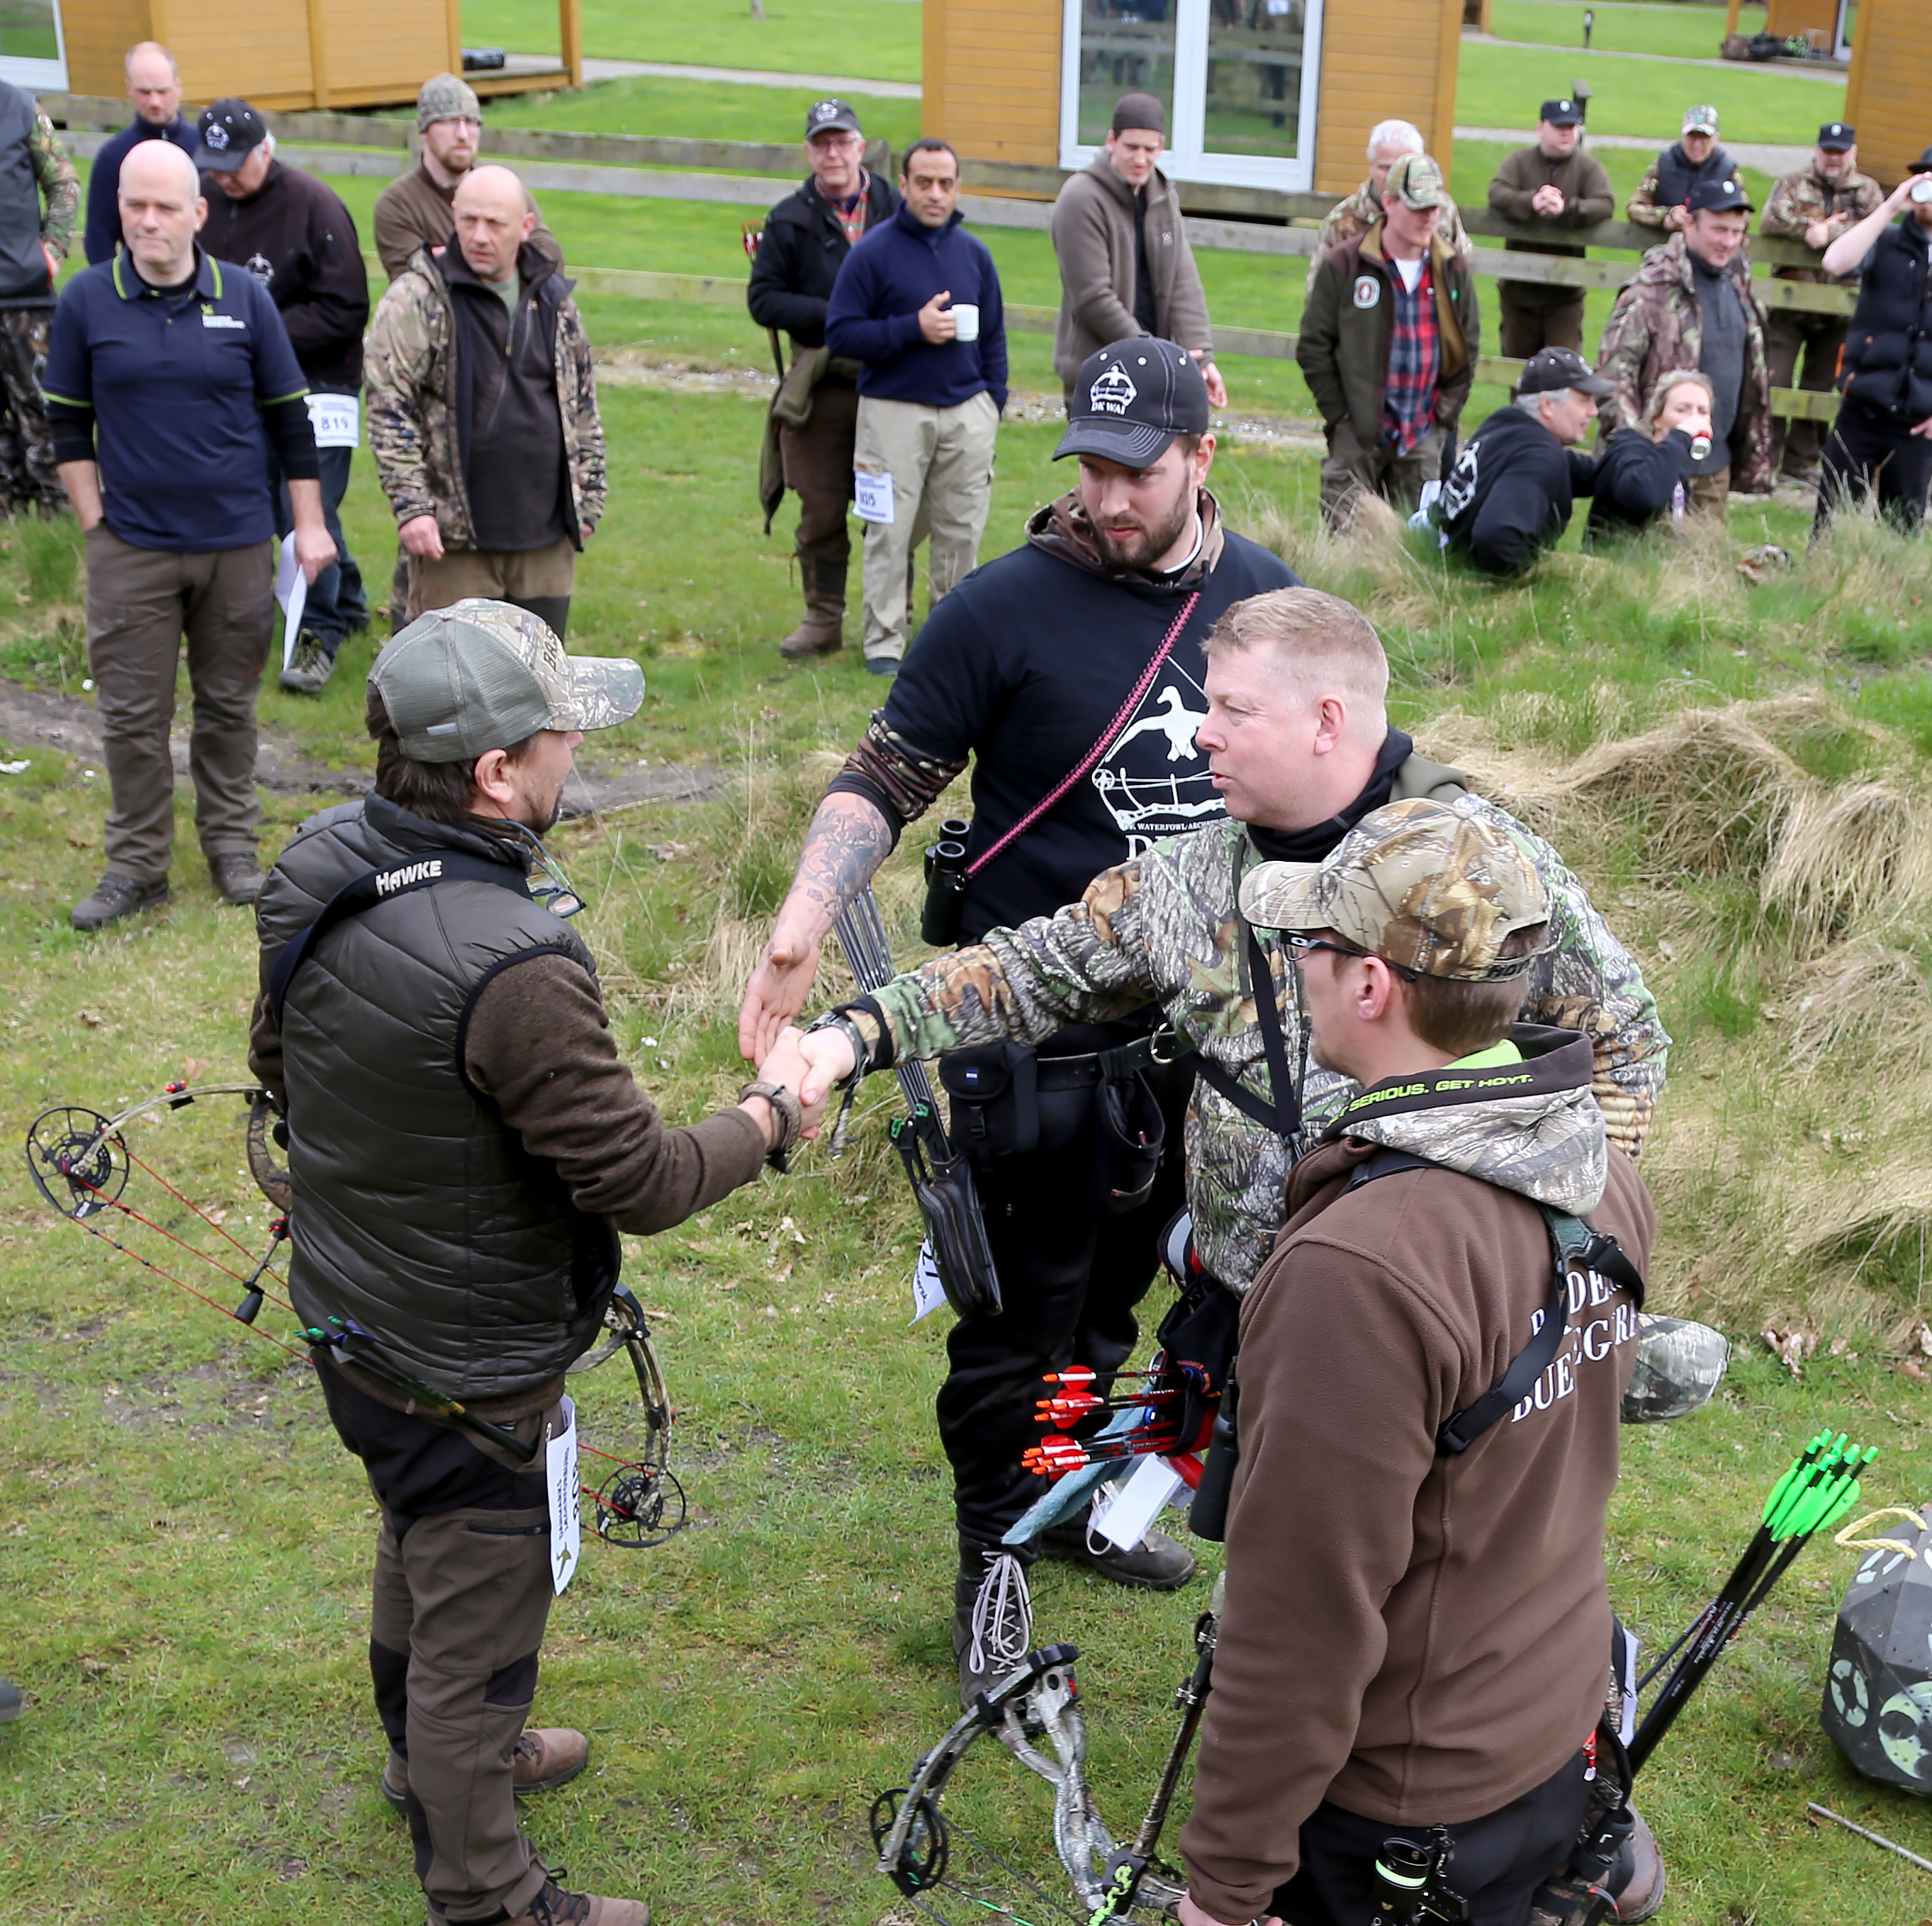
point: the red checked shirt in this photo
(1415, 360)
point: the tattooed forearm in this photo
(846, 842)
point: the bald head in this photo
(493, 219)
(159, 167)
(161, 211)
(154, 82)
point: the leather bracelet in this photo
(862, 1050)
(789, 1112)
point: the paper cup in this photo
(967, 316)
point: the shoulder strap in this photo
(1575, 1246)
(1100, 747)
(379, 886)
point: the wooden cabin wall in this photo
(1385, 60)
(992, 80)
(1891, 84)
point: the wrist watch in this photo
(790, 1114)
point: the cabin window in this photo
(1238, 77)
(32, 53)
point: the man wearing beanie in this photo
(1125, 267)
(415, 212)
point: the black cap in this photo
(1923, 165)
(231, 131)
(1140, 110)
(1549, 370)
(1131, 399)
(1562, 113)
(1834, 136)
(831, 116)
(1718, 197)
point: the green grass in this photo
(879, 39)
(1687, 32)
(703, 110)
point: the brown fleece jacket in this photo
(1414, 1638)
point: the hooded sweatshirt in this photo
(1511, 492)
(1418, 1638)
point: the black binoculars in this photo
(945, 884)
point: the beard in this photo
(1151, 540)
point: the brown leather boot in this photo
(553, 1906)
(546, 1757)
(824, 628)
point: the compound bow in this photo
(81, 1164)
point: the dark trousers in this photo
(1790, 333)
(1499, 1862)
(1070, 1277)
(28, 471)
(336, 602)
(140, 602)
(817, 459)
(1869, 453)
(462, 1593)
(1528, 326)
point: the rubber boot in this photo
(824, 628)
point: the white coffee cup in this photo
(967, 316)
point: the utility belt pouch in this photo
(1130, 1133)
(942, 1187)
(995, 1105)
(945, 885)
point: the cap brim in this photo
(1598, 385)
(230, 160)
(840, 126)
(1132, 444)
(605, 690)
(1281, 895)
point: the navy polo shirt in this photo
(177, 383)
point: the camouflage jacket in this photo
(1166, 928)
(410, 370)
(1359, 212)
(60, 185)
(1801, 198)
(1654, 330)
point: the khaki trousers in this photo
(140, 603)
(1797, 445)
(1707, 497)
(540, 579)
(1349, 469)
(1527, 328)
(941, 463)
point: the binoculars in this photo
(945, 884)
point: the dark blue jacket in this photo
(104, 182)
(1888, 360)
(874, 315)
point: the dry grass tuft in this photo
(1858, 997)
(1858, 854)
(1369, 563)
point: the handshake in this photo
(810, 1066)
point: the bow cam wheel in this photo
(75, 1164)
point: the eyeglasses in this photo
(556, 892)
(1306, 946)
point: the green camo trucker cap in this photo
(485, 675)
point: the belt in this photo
(1161, 1047)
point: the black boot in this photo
(992, 1617)
(1156, 1564)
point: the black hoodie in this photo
(1636, 479)
(1511, 492)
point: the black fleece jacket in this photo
(1636, 478)
(1511, 492)
(296, 237)
(798, 259)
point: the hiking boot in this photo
(115, 896)
(237, 875)
(1636, 1879)
(10, 1700)
(546, 1757)
(1679, 1366)
(824, 628)
(882, 665)
(1156, 1564)
(553, 1906)
(992, 1617)
(310, 668)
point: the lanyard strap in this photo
(1099, 748)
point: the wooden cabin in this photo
(1888, 96)
(1277, 93)
(285, 55)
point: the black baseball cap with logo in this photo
(831, 116)
(1131, 399)
(231, 131)
(1562, 113)
(1835, 137)
(1718, 197)
(1550, 370)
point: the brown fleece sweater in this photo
(1416, 1639)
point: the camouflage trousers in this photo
(27, 471)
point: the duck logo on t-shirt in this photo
(1153, 779)
(1113, 393)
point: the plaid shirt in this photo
(1415, 360)
(852, 212)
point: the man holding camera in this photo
(1070, 672)
(1881, 444)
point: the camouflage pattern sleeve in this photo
(588, 474)
(1591, 983)
(1620, 357)
(396, 358)
(1642, 207)
(1088, 963)
(1342, 222)
(889, 770)
(1784, 215)
(58, 182)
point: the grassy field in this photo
(184, 1594)
(877, 39)
(1687, 32)
(711, 110)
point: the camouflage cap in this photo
(445, 97)
(1426, 886)
(485, 675)
(1416, 181)
(1700, 120)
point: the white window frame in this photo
(40, 75)
(1186, 158)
